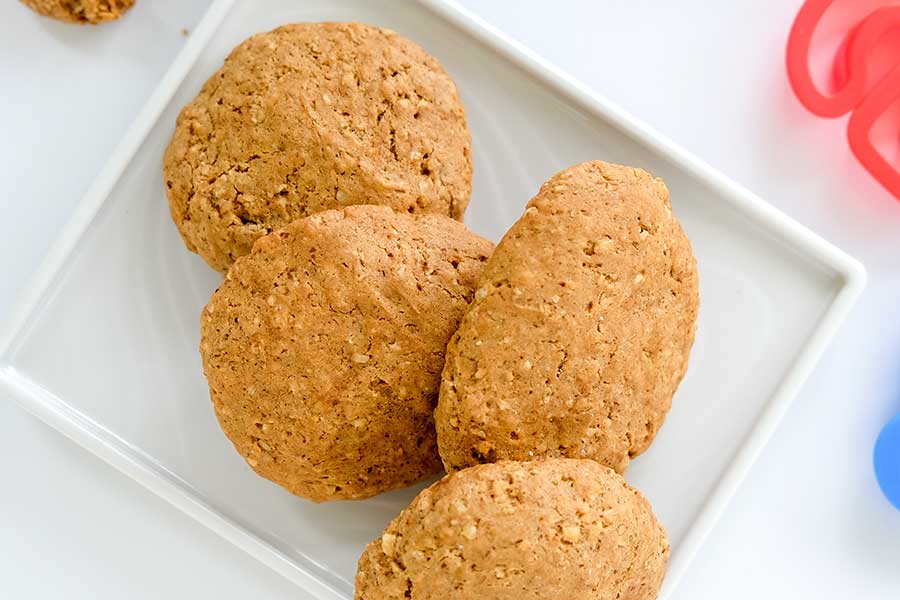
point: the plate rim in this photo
(850, 272)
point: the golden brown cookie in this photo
(310, 117)
(81, 11)
(323, 347)
(552, 529)
(580, 330)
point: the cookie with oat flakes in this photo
(559, 528)
(581, 328)
(309, 117)
(323, 347)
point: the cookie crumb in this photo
(388, 541)
(571, 533)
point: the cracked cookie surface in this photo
(559, 528)
(580, 330)
(323, 347)
(80, 11)
(309, 117)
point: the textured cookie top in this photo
(323, 348)
(559, 528)
(309, 117)
(81, 11)
(581, 327)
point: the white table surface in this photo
(808, 522)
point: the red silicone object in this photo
(855, 93)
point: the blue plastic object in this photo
(887, 461)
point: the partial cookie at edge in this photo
(559, 528)
(90, 12)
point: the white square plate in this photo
(104, 344)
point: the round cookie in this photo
(581, 327)
(80, 11)
(559, 528)
(309, 117)
(323, 347)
